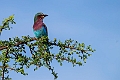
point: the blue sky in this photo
(94, 22)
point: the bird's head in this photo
(39, 15)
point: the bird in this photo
(39, 28)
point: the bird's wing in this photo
(45, 29)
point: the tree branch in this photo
(33, 39)
(17, 44)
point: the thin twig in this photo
(8, 68)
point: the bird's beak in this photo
(45, 15)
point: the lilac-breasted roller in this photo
(39, 28)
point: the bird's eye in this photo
(38, 16)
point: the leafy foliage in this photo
(15, 50)
(6, 22)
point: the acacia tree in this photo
(14, 55)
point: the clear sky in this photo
(94, 22)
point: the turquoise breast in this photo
(40, 32)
